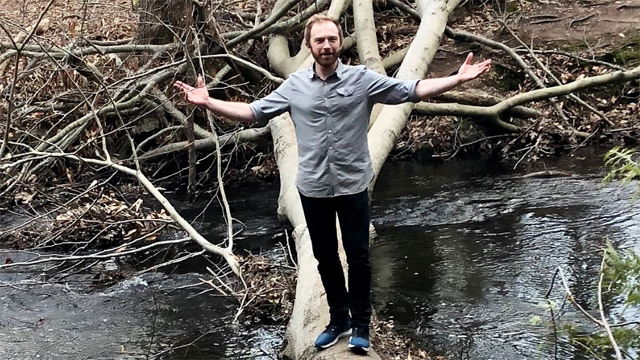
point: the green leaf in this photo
(535, 320)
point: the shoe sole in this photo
(358, 349)
(341, 335)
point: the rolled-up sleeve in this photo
(388, 90)
(273, 104)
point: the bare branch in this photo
(225, 253)
(603, 318)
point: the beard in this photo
(325, 58)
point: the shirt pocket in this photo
(346, 91)
(346, 100)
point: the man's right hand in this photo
(196, 95)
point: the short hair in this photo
(319, 18)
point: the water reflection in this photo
(466, 252)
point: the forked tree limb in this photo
(279, 55)
(483, 99)
(286, 25)
(495, 111)
(19, 43)
(555, 79)
(278, 12)
(231, 259)
(464, 98)
(585, 83)
(384, 133)
(245, 135)
(458, 34)
(453, 109)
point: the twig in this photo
(247, 64)
(605, 324)
(628, 6)
(272, 19)
(528, 70)
(242, 302)
(218, 289)
(171, 262)
(283, 26)
(93, 256)
(251, 134)
(155, 136)
(182, 346)
(406, 8)
(15, 74)
(583, 59)
(214, 136)
(289, 249)
(552, 76)
(534, 146)
(570, 296)
(218, 278)
(543, 16)
(91, 187)
(580, 20)
(586, 139)
(544, 21)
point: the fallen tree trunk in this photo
(384, 133)
(310, 312)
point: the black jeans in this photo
(353, 214)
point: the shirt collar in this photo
(311, 72)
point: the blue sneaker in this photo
(332, 334)
(359, 340)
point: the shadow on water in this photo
(466, 251)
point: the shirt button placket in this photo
(330, 142)
(329, 124)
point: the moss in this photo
(574, 48)
(512, 6)
(627, 54)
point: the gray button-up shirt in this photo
(331, 118)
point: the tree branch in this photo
(193, 234)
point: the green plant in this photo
(619, 284)
(622, 166)
(622, 275)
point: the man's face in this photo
(324, 43)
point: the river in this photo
(467, 250)
(464, 255)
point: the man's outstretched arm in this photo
(199, 96)
(429, 88)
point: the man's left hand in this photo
(470, 71)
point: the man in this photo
(330, 105)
